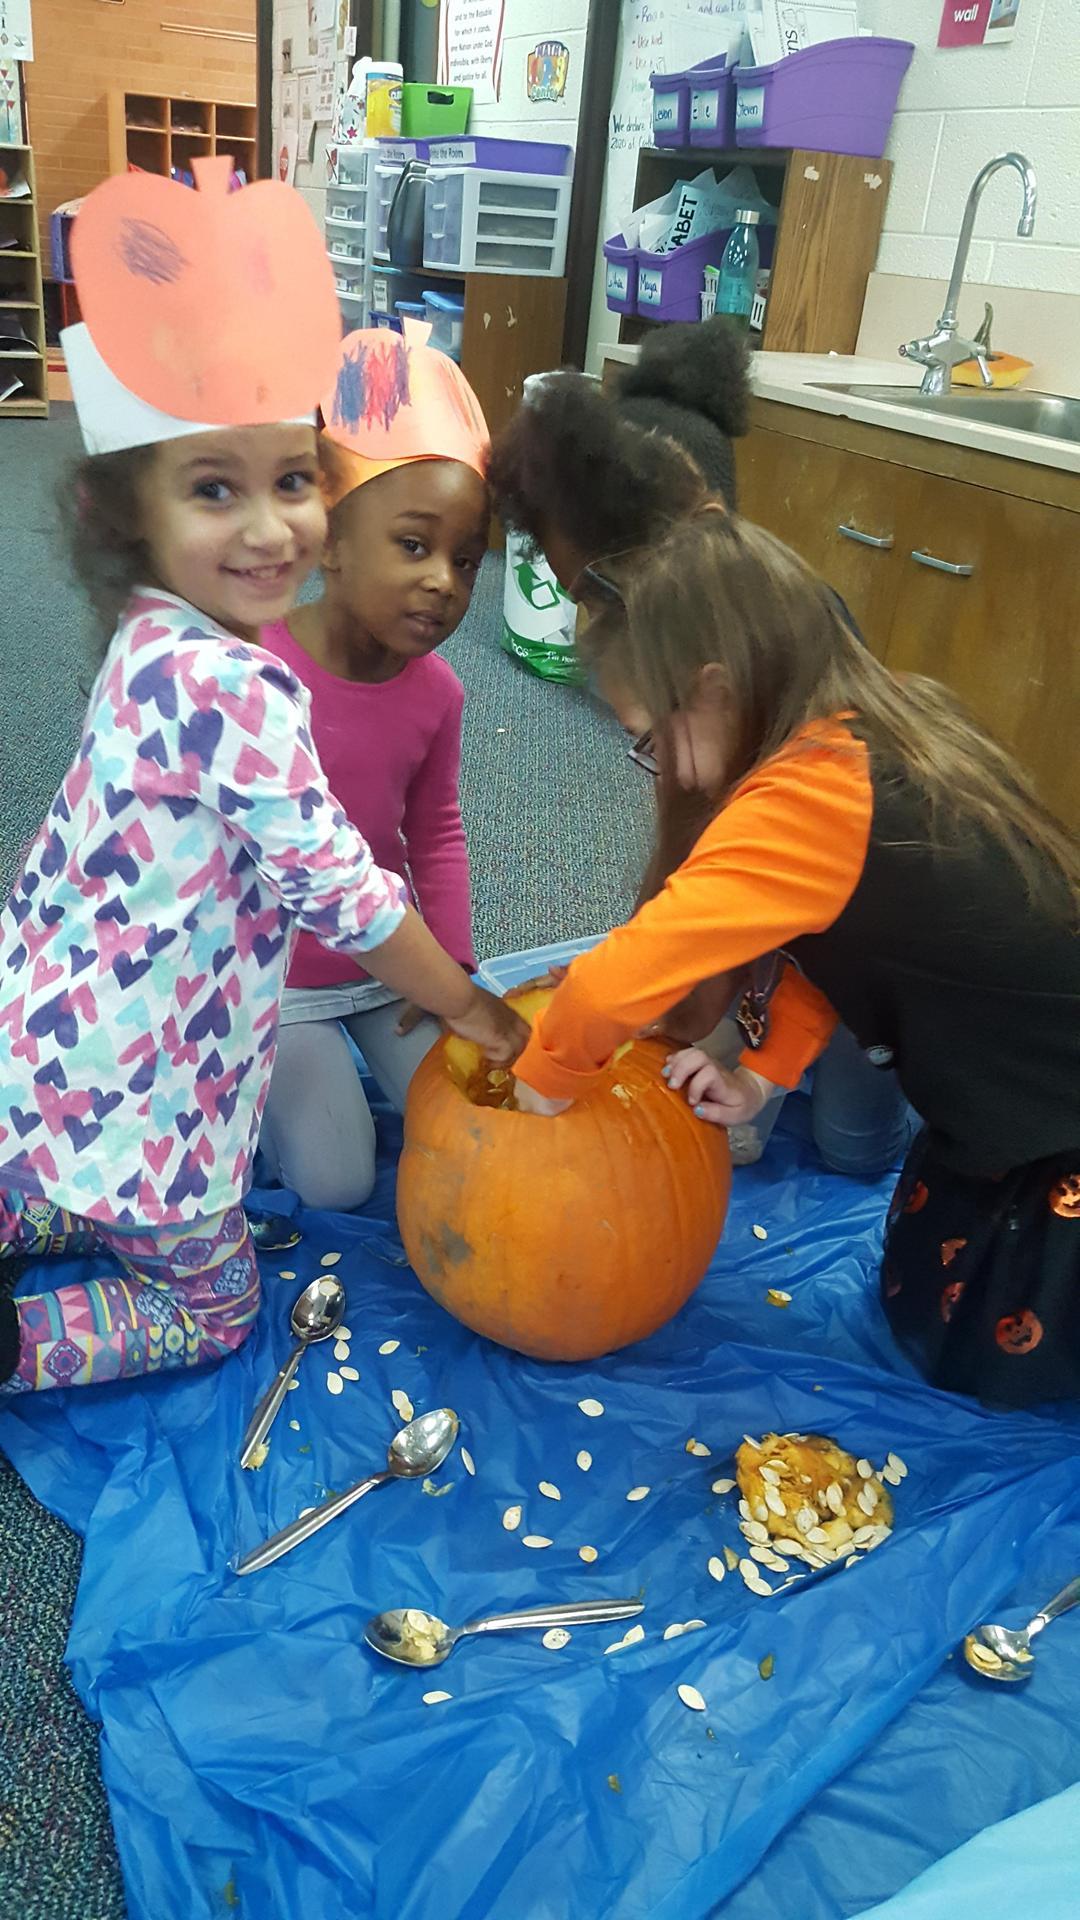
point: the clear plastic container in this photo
(447, 317)
(502, 222)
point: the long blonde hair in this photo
(716, 590)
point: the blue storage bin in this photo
(508, 970)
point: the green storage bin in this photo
(432, 113)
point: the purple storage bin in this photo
(620, 275)
(836, 98)
(503, 156)
(712, 104)
(669, 285)
(670, 109)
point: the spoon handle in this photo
(263, 1417)
(1061, 1602)
(308, 1523)
(570, 1613)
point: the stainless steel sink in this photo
(1049, 415)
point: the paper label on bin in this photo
(454, 153)
(749, 107)
(380, 295)
(618, 281)
(705, 109)
(395, 153)
(649, 287)
(665, 111)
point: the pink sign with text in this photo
(977, 23)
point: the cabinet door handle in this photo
(865, 539)
(941, 566)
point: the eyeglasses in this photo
(592, 585)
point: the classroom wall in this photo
(959, 107)
(83, 48)
(514, 116)
(291, 23)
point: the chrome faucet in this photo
(943, 349)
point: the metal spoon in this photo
(417, 1639)
(1001, 1653)
(316, 1314)
(418, 1449)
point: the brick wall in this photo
(83, 48)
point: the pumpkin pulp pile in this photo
(564, 1238)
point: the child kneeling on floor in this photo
(865, 824)
(402, 451)
(144, 944)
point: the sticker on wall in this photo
(977, 23)
(546, 69)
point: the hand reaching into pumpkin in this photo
(494, 1026)
(726, 1099)
(529, 1101)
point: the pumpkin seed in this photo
(349, 1373)
(294, 1386)
(467, 1461)
(744, 1509)
(584, 1460)
(341, 1350)
(588, 1554)
(549, 1491)
(629, 1639)
(867, 1498)
(592, 1409)
(764, 1557)
(817, 1537)
(890, 1476)
(329, 1259)
(512, 1519)
(894, 1461)
(691, 1626)
(983, 1657)
(390, 1346)
(761, 1511)
(699, 1448)
(774, 1503)
(776, 1297)
(864, 1469)
(767, 1666)
(751, 1442)
(759, 1233)
(335, 1383)
(344, 1333)
(637, 1493)
(673, 1632)
(690, 1697)
(834, 1497)
(722, 1486)
(732, 1558)
(436, 1697)
(555, 1638)
(770, 1476)
(805, 1519)
(717, 1567)
(788, 1546)
(286, 1273)
(754, 1530)
(260, 1455)
(295, 1425)
(535, 1540)
(401, 1404)
(614, 1783)
(862, 1535)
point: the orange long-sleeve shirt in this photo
(782, 859)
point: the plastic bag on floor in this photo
(539, 619)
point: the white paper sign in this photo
(16, 35)
(470, 47)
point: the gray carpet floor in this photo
(558, 820)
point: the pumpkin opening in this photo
(484, 1084)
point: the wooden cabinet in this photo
(23, 380)
(957, 564)
(158, 132)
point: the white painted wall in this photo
(514, 116)
(291, 23)
(960, 106)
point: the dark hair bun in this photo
(702, 366)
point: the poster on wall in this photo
(16, 35)
(309, 93)
(470, 47)
(978, 23)
(287, 130)
(11, 126)
(546, 70)
(324, 77)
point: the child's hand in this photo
(529, 1101)
(727, 1099)
(411, 1016)
(499, 1032)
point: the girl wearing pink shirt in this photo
(402, 453)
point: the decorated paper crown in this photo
(392, 403)
(202, 309)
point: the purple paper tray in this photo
(711, 120)
(620, 275)
(503, 156)
(836, 98)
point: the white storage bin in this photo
(350, 247)
(477, 220)
(350, 279)
(384, 171)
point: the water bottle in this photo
(739, 269)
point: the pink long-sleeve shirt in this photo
(392, 756)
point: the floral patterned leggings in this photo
(185, 1297)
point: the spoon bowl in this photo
(317, 1313)
(414, 1638)
(1004, 1653)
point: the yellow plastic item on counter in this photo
(1005, 371)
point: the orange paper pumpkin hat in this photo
(392, 403)
(207, 308)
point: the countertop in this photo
(791, 379)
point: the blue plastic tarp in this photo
(1027, 1865)
(255, 1752)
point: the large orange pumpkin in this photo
(563, 1238)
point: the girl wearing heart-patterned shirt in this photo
(144, 945)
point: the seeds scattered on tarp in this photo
(329, 1259)
(717, 1567)
(588, 1554)
(436, 1697)
(401, 1404)
(295, 1425)
(776, 1297)
(349, 1373)
(549, 1490)
(512, 1519)
(767, 1666)
(556, 1638)
(637, 1493)
(614, 1783)
(591, 1408)
(584, 1460)
(631, 1638)
(722, 1486)
(341, 1350)
(335, 1383)
(390, 1346)
(698, 1448)
(467, 1461)
(732, 1559)
(759, 1233)
(535, 1540)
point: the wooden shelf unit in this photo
(830, 210)
(20, 291)
(159, 131)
